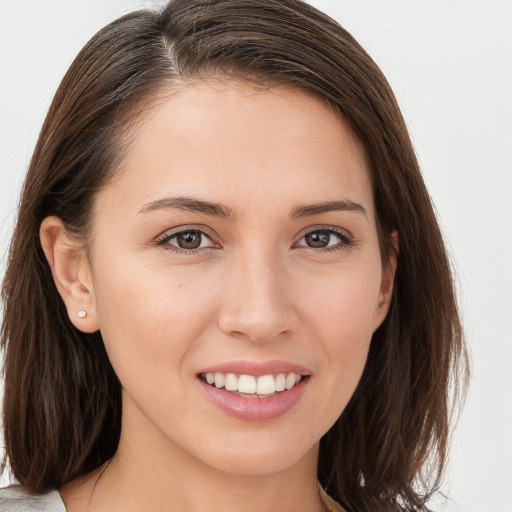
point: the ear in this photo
(71, 272)
(387, 282)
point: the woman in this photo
(235, 292)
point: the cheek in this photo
(344, 303)
(151, 317)
(345, 324)
(342, 313)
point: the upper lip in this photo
(257, 368)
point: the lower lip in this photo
(255, 409)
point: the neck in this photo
(136, 485)
(149, 473)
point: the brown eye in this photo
(189, 240)
(325, 239)
(318, 239)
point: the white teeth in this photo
(281, 382)
(219, 380)
(266, 385)
(248, 384)
(231, 382)
(290, 381)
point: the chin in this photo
(258, 455)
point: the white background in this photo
(450, 64)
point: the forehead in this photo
(234, 141)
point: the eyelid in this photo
(170, 233)
(346, 238)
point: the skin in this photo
(254, 291)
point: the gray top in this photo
(16, 499)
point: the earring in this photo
(82, 313)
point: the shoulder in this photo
(17, 499)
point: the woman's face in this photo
(237, 244)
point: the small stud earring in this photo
(82, 313)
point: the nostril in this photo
(256, 329)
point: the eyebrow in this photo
(219, 210)
(344, 205)
(189, 204)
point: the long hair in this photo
(62, 404)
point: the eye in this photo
(324, 239)
(187, 240)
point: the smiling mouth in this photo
(250, 386)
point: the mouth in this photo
(255, 391)
(252, 386)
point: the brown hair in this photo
(62, 404)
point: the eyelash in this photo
(163, 241)
(345, 240)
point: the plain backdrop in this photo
(450, 65)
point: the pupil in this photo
(318, 239)
(189, 240)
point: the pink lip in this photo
(257, 369)
(254, 409)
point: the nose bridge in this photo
(256, 302)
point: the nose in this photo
(257, 300)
